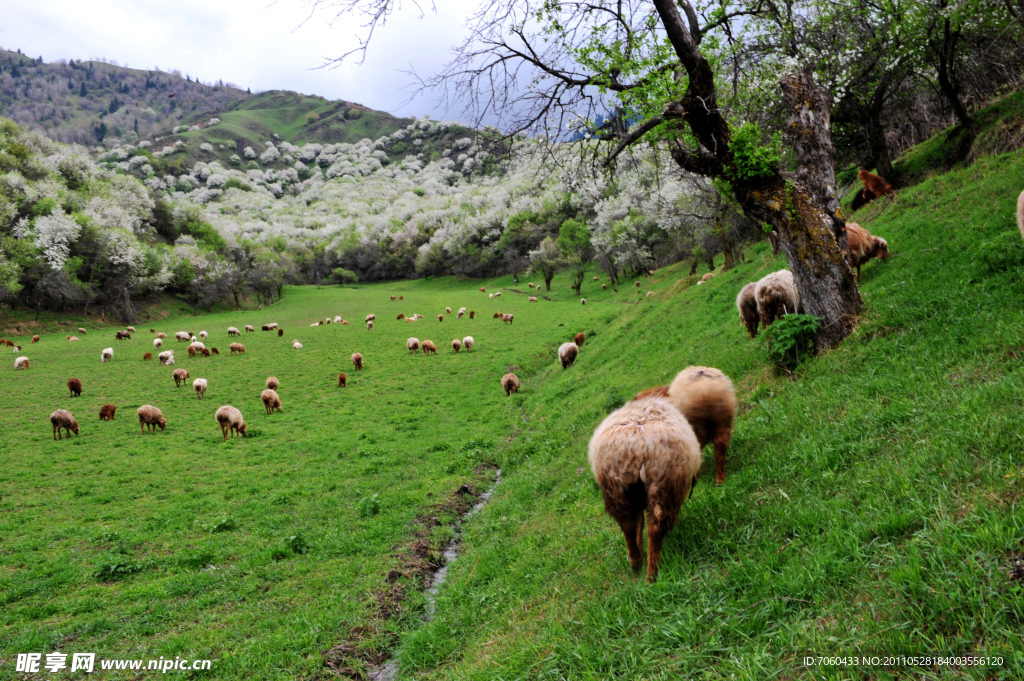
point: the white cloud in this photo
(246, 42)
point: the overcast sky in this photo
(258, 44)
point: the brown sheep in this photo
(75, 386)
(273, 383)
(429, 347)
(280, 332)
(152, 417)
(447, 310)
(578, 339)
(707, 277)
(497, 315)
(148, 356)
(567, 354)
(161, 335)
(776, 295)
(604, 287)
(864, 246)
(191, 351)
(152, 330)
(394, 298)
(456, 345)
(237, 348)
(746, 303)
(638, 284)
(204, 352)
(482, 290)
(507, 318)
(107, 412)
(472, 314)
(342, 379)
(401, 316)
(510, 384)
(249, 328)
(645, 457)
(597, 279)
(82, 331)
(440, 317)
(357, 361)
(180, 376)
(62, 419)
(369, 326)
(230, 419)
(271, 400)
(657, 391)
(874, 187)
(200, 385)
(401, 297)
(122, 335)
(35, 339)
(583, 301)
(706, 398)
(214, 351)
(413, 344)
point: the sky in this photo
(257, 44)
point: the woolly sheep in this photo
(583, 301)
(342, 379)
(35, 339)
(467, 343)
(498, 294)
(161, 335)
(203, 335)
(746, 303)
(597, 279)
(183, 336)
(316, 324)
(21, 363)
(179, 375)
(507, 318)
(776, 295)
(82, 331)
(107, 412)
(370, 317)
(280, 332)
(706, 277)
(530, 284)
(456, 345)
(578, 339)
(249, 328)
(706, 398)
(198, 345)
(338, 319)
(75, 386)
(482, 290)
(271, 326)
(297, 345)
(490, 295)
(532, 299)
(122, 335)
(394, 298)
(191, 351)
(459, 314)
(152, 417)
(510, 384)
(447, 310)
(645, 458)
(357, 361)
(863, 246)
(638, 284)
(650, 293)
(232, 331)
(472, 314)
(157, 343)
(199, 385)
(413, 344)
(271, 400)
(63, 420)
(604, 287)
(429, 347)
(230, 419)
(440, 317)
(72, 339)
(130, 329)
(567, 354)
(166, 357)
(237, 348)
(369, 325)
(214, 351)
(107, 355)
(148, 356)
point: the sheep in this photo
(371, 317)
(237, 348)
(578, 339)
(338, 319)
(776, 295)
(316, 323)
(152, 417)
(864, 246)
(460, 314)
(497, 315)
(1020, 214)
(344, 322)
(183, 336)
(249, 328)
(17, 348)
(166, 357)
(472, 314)
(482, 290)
(232, 331)
(75, 386)
(447, 310)
(271, 326)
(440, 317)
(273, 383)
(604, 287)
(874, 187)
(510, 384)
(498, 294)
(122, 335)
(650, 293)
(706, 398)
(357, 361)
(161, 335)
(413, 344)
(130, 329)
(490, 295)
(583, 301)
(369, 325)
(530, 284)
(507, 318)
(82, 331)
(157, 343)
(401, 297)
(532, 299)
(35, 339)
(204, 352)
(746, 303)
(597, 279)
(280, 332)
(429, 347)
(456, 345)
(645, 458)
(152, 330)
(327, 320)
(191, 351)
(230, 419)
(63, 420)
(342, 379)
(657, 391)
(297, 345)
(180, 376)
(71, 339)
(394, 298)
(467, 343)
(706, 277)
(107, 355)
(199, 385)
(203, 335)
(214, 351)
(271, 400)
(148, 356)
(567, 354)
(107, 412)
(638, 284)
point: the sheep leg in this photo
(721, 447)
(632, 527)
(656, 531)
(55, 429)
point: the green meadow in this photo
(872, 502)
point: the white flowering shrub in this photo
(53, 235)
(249, 153)
(287, 158)
(179, 129)
(235, 159)
(145, 144)
(212, 121)
(207, 147)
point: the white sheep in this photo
(776, 295)
(203, 335)
(567, 354)
(199, 385)
(183, 336)
(166, 357)
(107, 355)
(297, 345)
(230, 420)
(21, 363)
(338, 319)
(369, 325)
(370, 317)
(157, 343)
(413, 344)
(232, 331)
(467, 343)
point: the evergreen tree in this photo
(136, 126)
(114, 105)
(81, 91)
(100, 131)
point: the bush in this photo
(312, 117)
(790, 339)
(343, 276)
(1001, 254)
(235, 183)
(751, 158)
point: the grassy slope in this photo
(872, 504)
(410, 429)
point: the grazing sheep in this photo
(199, 385)
(1020, 214)
(401, 297)
(71, 339)
(472, 314)
(776, 295)
(467, 343)
(107, 355)
(490, 295)
(638, 284)
(75, 386)
(456, 345)
(459, 314)
(440, 317)
(230, 419)
(271, 326)
(429, 347)
(394, 298)
(122, 335)
(130, 329)
(148, 356)
(531, 299)
(645, 458)
(344, 322)
(567, 354)
(657, 391)
(327, 320)
(400, 316)
(864, 246)
(497, 315)
(280, 332)
(203, 335)
(746, 303)
(271, 400)
(447, 310)
(597, 279)
(204, 352)
(35, 339)
(166, 357)
(232, 331)
(650, 293)
(706, 277)
(183, 336)
(237, 348)
(578, 339)
(369, 325)
(583, 301)
(191, 351)
(315, 324)
(338, 319)
(273, 383)
(482, 290)
(413, 344)
(510, 384)
(161, 335)
(152, 417)
(530, 284)
(498, 294)
(107, 412)
(342, 379)
(706, 398)
(873, 187)
(507, 318)
(370, 317)
(157, 343)
(249, 328)
(82, 331)
(604, 287)
(63, 420)
(357, 361)
(297, 345)
(152, 330)
(180, 376)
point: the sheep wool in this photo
(567, 353)
(746, 303)
(230, 420)
(776, 295)
(706, 398)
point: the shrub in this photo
(235, 183)
(790, 339)
(343, 276)
(312, 117)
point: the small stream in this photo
(450, 553)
